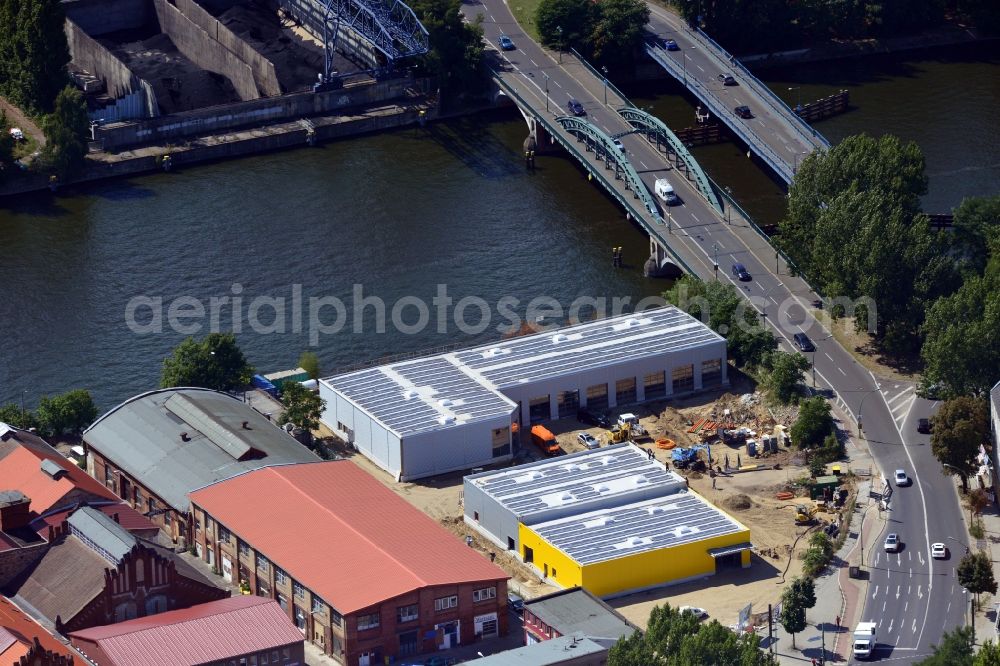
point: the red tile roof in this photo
(204, 633)
(24, 631)
(341, 533)
(128, 518)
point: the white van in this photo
(665, 191)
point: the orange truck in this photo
(545, 440)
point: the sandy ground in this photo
(17, 118)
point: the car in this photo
(727, 79)
(588, 440)
(515, 602)
(803, 342)
(740, 272)
(506, 43)
(743, 112)
(902, 479)
(594, 418)
(618, 144)
(16, 134)
(892, 543)
(576, 108)
(699, 613)
(671, 45)
(924, 426)
(939, 551)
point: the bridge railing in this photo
(725, 114)
(797, 121)
(557, 132)
(601, 76)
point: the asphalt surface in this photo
(929, 600)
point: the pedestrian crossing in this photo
(899, 398)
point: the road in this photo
(701, 236)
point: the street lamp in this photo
(559, 35)
(972, 616)
(798, 96)
(729, 203)
(862, 404)
(959, 543)
(816, 349)
(715, 250)
(546, 91)
(605, 70)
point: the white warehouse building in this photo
(436, 414)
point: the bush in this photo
(814, 425)
(66, 414)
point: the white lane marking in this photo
(701, 68)
(774, 300)
(897, 591)
(890, 624)
(695, 217)
(914, 625)
(883, 606)
(521, 51)
(909, 555)
(533, 62)
(920, 556)
(899, 395)
(909, 588)
(875, 593)
(878, 554)
(643, 164)
(911, 576)
(948, 610)
(829, 357)
(899, 559)
(842, 371)
(905, 606)
(555, 81)
(920, 595)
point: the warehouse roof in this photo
(665, 522)
(175, 440)
(208, 632)
(553, 652)
(442, 391)
(382, 545)
(571, 483)
(577, 611)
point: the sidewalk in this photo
(986, 614)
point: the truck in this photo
(545, 440)
(635, 428)
(864, 640)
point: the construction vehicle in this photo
(632, 421)
(864, 640)
(545, 440)
(687, 457)
(622, 432)
(805, 515)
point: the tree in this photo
(69, 413)
(796, 598)
(310, 363)
(33, 52)
(977, 223)
(975, 573)
(13, 415)
(959, 427)
(618, 30)
(813, 425)
(988, 655)
(955, 649)
(302, 407)
(66, 134)
(456, 46)
(214, 362)
(566, 23)
(6, 145)
(784, 373)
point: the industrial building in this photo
(612, 521)
(436, 414)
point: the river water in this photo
(396, 215)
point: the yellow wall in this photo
(568, 572)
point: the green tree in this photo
(988, 655)
(302, 407)
(795, 600)
(69, 413)
(960, 426)
(618, 30)
(6, 145)
(66, 134)
(215, 362)
(563, 24)
(975, 573)
(784, 373)
(33, 52)
(813, 425)
(977, 224)
(310, 363)
(456, 47)
(816, 557)
(13, 415)
(955, 649)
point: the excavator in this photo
(805, 515)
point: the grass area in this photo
(524, 13)
(26, 147)
(862, 348)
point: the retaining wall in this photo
(349, 43)
(204, 51)
(100, 17)
(172, 128)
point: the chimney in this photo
(14, 512)
(185, 437)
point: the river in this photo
(397, 215)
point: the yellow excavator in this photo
(620, 433)
(805, 515)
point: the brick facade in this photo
(15, 560)
(350, 638)
(39, 656)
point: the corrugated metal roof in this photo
(577, 611)
(104, 535)
(365, 543)
(406, 396)
(574, 482)
(552, 652)
(143, 437)
(200, 634)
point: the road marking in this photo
(521, 51)
(774, 300)
(899, 395)
(899, 559)
(911, 576)
(905, 606)
(829, 357)
(920, 595)
(890, 624)
(643, 164)
(948, 610)
(842, 371)
(914, 625)
(875, 593)
(909, 555)
(533, 62)
(701, 68)
(897, 591)
(695, 217)
(883, 607)
(557, 83)
(920, 556)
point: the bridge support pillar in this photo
(660, 263)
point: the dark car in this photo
(741, 273)
(743, 112)
(803, 342)
(506, 43)
(590, 417)
(727, 79)
(924, 426)
(671, 45)
(515, 602)
(576, 108)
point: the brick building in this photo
(94, 572)
(155, 448)
(572, 612)
(361, 572)
(24, 642)
(238, 630)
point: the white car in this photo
(939, 551)
(902, 479)
(699, 613)
(16, 134)
(892, 543)
(588, 440)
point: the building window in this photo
(407, 613)
(225, 535)
(244, 549)
(625, 391)
(263, 589)
(262, 564)
(300, 620)
(282, 601)
(485, 594)
(597, 397)
(444, 603)
(683, 378)
(370, 621)
(655, 385)
(568, 403)
(409, 643)
(336, 619)
(318, 605)
(554, 574)
(280, 577)
(539, 409)
(197, 524)
(298, 591)
(501, 442)
(138, 498)
(336, 647)
(109, 477)
(711, 372)
(151, 505)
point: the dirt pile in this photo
(738, 502)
